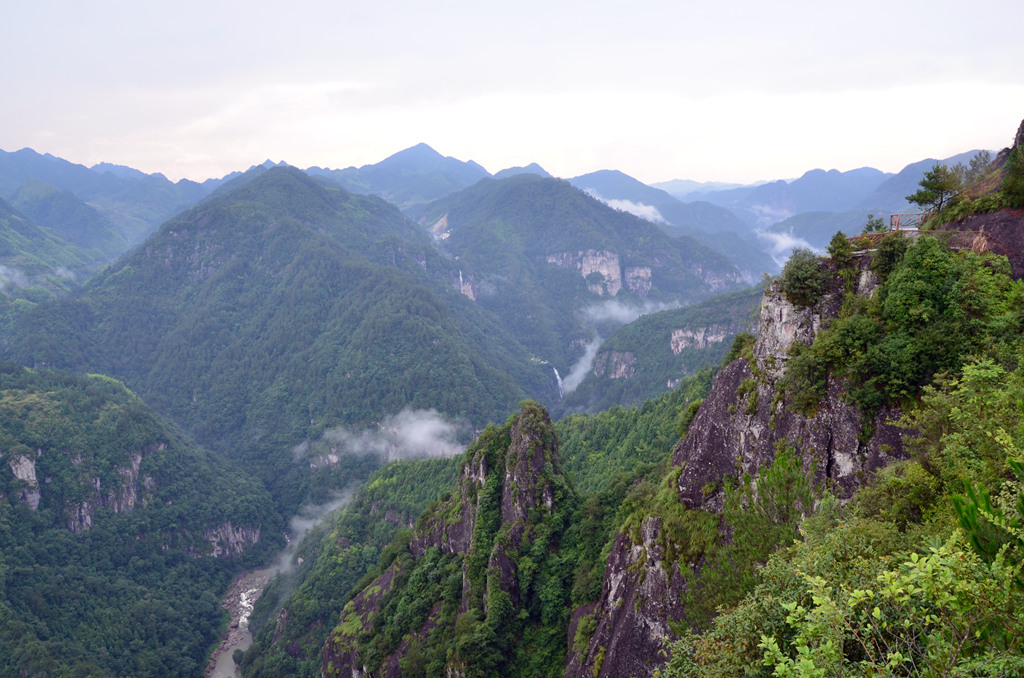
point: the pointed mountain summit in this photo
(532, 168)
(473, 589)
(410, 178)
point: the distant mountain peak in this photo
(532, 168)
(419, 152)
(268, 163)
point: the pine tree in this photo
(938, 187)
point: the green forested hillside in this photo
(67, 214)
(650, 355)
(604, 455)
(538, 253)
(920, 574)
(261, 318)
(920, 569)
(297, 611)
(36, 264)
(110, 531)
(134, 202)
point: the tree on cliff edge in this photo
(938, 187)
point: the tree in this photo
(874, 225)
(939, 185)
(979, 163)
(803, 279)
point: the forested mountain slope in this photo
(298, 610)
(711, 225)
(116, 536)
(655, 352)
(136, 203)
(264, 317)
(549, 259)
(36, 263)
(67, 214)
(483, 585)
(604, 455)
(812, 411)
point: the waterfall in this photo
(561, 389)
(461, 288)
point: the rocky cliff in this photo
(737, 430)
(473, 566)
(80, 450)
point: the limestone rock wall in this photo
(603, 263)
(700, 337)
(615, 364)
(735, 430)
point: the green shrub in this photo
(804, 279)
(889, 254)
(874, 225)
(686, 417)
(805, 380)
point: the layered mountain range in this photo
(293, 330)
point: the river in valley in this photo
(239, 601)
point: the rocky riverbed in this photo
(241, 597)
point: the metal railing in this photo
(899, 222)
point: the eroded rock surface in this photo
(736, 430)
(520, 479)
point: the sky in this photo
(735, 91)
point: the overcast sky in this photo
(720, 91)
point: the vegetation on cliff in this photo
(653, 354)
(540, 254)
(110, 528)
(297, 611)
(919, 573)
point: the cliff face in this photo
(81, 451)
(121, 496)
(640, 597)
(1003, 231)
(736, 430)
(507, 496)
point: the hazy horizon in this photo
(659, 90)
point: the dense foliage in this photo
(621, 441)
(278, 310)
(36, 263)
(658, 350)
(296, 612)
(804, 279)
(603, 454)
(521, 242)
(935, 307)
(133, 590)
(521, 635)
(921, 573)
(67, 214)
